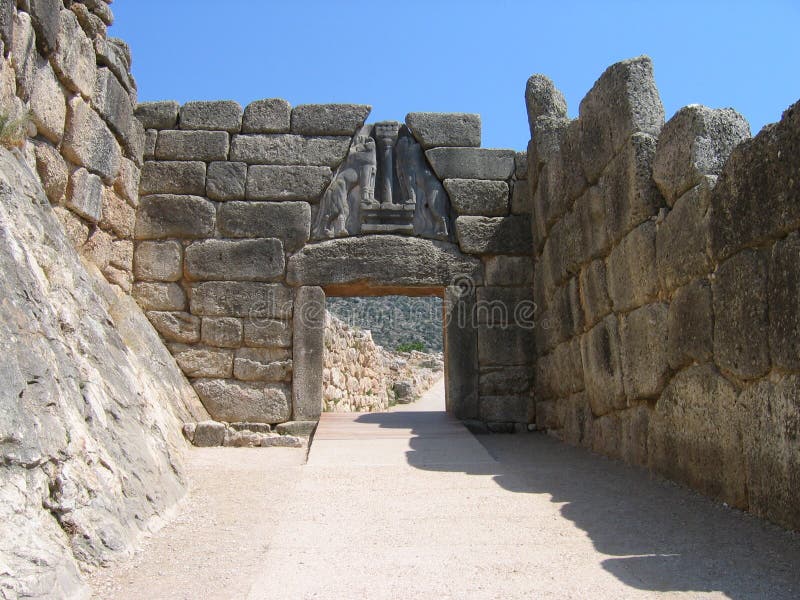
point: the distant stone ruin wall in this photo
(73, 83)
(666, 277)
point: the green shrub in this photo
(411, 346)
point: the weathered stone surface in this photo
(308, 353)
(622, 102)
(632, 277)
(560, 373)
(521, 165)
(521, 198)
(74, 227)
(74, 59)
(158, 261)
(506, 381)
(461, 345)
(241, 299)
(165, 216)
(478, 197)
(45, 17)
(690, 325)
(602, 367)
(289, 150)
(565, 312)
(226, 180)
(23, 51)
(258, 364)
(543, 100)
(756, 196)
(91, 24)
(630, 196)
(118, 216)
(180, 327)
(223, 332)
(643, 335)
(693, 144)
(159, 296)
(741, 324)
(329, 119)
(683, 239)
(501, 306)
(222, 115)
(445, 129)
(230, 401)
(85, 195)
(512, 345)
(509, 270)
(784, 303)
(289, 222)
(48, 105)
(591, 213)
(89, 143)
(192, 145)
(149, 150)
(158, 115)
(471, 163)
(297, 428)
(208, 434)
(277, 182)
(695, 435)
(127, 182)
(200, 361)
(237, 260)
(52, 171)
(112, 53)
(495, 235)
(545, 145)
(594, 292)
(506, 409)
(173, 177)
(113, 103)
(97, 249)
(381, 261)
(267, 333)
(7, 15)
(271, 115)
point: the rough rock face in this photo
(90, 407)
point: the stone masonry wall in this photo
(62, 73)
(666, 279)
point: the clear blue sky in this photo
(462, 56)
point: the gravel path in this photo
(413, 506)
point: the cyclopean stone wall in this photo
(667, 281)
(247, 218)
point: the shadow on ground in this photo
(660, 537)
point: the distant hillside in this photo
(394, 320)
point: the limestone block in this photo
(602, 367)
(755, 198)
(565, 312)
(238, 260)
(495, 235)
(521, 165)
(382, 261)
(308, 353)
(509, 270)
(23, 54)
(512, 345)
(630, 195)
(278, 182)
(7, 14)
(173, 177)
(271, 115)
(200, 361)
(741, 324)
(251, 365)
(683, 239)
(222, 332)
(208, 434)
(122, 255)
(113, 103)
(560, 373)
(784, 303)
(149, 150)
(501, 306)
(521, 199)
(97, 249)
(632, 277)
(289, 222)
(643, 335)
(52, 171)
(241, 299)
(165, 216)
(180, 327)
(233, 401)
(772, 448)
(594, 292)
(290, 150)
(445, 129)
(226, 180)
(506, 409)
(158, 261)
(45, 17)
(622, 102)
(690, 325)
(472, 163)
(223, 115)
(297, 428)
(89, 143)
(506, 381)
(695, 435)
(118, 215)
(478, 197)
(111, 53)
(693, 144)
(158, 115)
(159, 296)
(127, 182)
(329, 119)
(74, 227)
(48, 105)
(91, 24)
(544, 145)
(543, 99)
(591, 211)
(85, 195)
(74, 59)
(461, 346)
(267, 333)
(192, 145)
